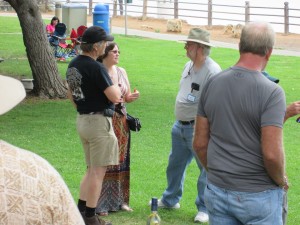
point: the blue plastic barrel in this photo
(101, 16)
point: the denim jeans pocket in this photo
(259, 206)
(209, 198)
(257, 203)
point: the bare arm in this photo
(129, 97)
(113, 93)
(201, 138)
(292, 110)
(273, 154)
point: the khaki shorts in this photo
(98, 139)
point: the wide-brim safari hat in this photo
(199, 36)
(12, 92)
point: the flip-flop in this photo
(125, 207)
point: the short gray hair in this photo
(88, 47)
(257, 38)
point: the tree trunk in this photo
(47, 81)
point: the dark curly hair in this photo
(54, 18)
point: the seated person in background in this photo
(31, 190)
(50, 28)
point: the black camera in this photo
(108, 112)
(195, 86)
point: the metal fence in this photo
(203, 13)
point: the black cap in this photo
(95, 34)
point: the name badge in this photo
(191, 98)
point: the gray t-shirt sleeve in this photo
(273, 112)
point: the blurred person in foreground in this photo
(116, 184)
(238, 136)
(93, 93)
(31, 190)
(195, 74)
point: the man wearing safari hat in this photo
(195, 73)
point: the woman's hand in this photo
(133, 96)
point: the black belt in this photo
(90, 113)
(186, 122)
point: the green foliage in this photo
(154, 68)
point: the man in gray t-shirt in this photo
(238, 136)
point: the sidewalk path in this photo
(175, 37)
(170, 37)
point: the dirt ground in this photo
(288, 42)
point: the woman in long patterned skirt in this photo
(116, 183)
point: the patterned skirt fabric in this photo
(115, 187)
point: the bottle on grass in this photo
(153, 218)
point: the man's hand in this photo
(285, 185)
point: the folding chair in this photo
(61, 48)
(80, 31)
(73, 38)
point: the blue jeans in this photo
(180, 157)
(237, 208)
(285, 208)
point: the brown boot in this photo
(95, 220)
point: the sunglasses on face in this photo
(188, 44)
(115, 52)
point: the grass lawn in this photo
(154, 68)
